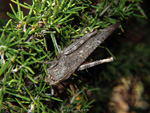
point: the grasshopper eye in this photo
(50, 80)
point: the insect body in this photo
(74, 55)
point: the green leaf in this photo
(56, 99)
(19, 96)
(4, 67)
(13, 10)
(29, 69)
(13, 17)
(20, 103)
(22, 5)
(29, 76)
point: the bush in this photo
(27, 40)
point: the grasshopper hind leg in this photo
(94, 63)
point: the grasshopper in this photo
(74, 55)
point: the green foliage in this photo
(25, 40)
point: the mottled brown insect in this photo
(74, 55)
